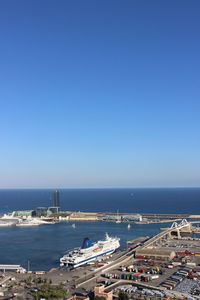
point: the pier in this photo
(16, 268)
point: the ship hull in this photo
(85, 261)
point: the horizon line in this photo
(99, 188)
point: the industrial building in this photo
(122, 217)
(24, 213)
(155, 253)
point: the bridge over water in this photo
(174, 230)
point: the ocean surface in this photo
(174, 200)
(44, 245)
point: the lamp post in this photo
(28, 269)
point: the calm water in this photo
(125, 200)
(44, 245)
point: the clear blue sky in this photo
(99, 93)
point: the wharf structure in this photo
(152, 266)
(121, 217)
(156, 266)
(158, 247)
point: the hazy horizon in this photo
(101, 188)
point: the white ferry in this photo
(89, 252)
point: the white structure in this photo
(89, 251)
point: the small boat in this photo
(118, 221)
(73, 225)
(27, 224)
(129, 226)
(4, 224)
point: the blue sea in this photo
(44, 245)
(149, 200)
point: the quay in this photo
(42, 216)
(157, 265)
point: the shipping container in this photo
(128, 276)
(176, 277)
(181, 254)
(176, 263)
(170, 266)
(172, 283)
(152, 277)
(157, 269)
(182, 272)
(138, 275)
(191, 264)
(169, 287)
(142, 270)
(145, 278)
(140, 256)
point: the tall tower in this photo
(56, 198)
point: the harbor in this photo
(152, 260)
(150, 265)
(33, 218)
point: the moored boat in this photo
(90, 251)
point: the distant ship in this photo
(89, 251)
(4, 224)
(118, 221)
(129, 226)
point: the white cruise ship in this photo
(89, 251)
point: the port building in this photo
(122, 217)
(24, 213)
(155, 253)
(41, 211)
(99, 292)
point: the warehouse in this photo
(155, 253)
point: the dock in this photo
(16, 268)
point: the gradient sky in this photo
(101, 93)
